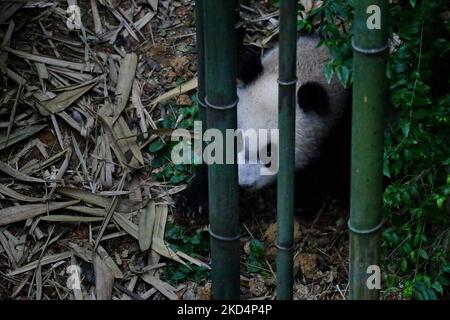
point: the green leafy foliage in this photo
(417, 154)
(333, 18)
(256, 257)
(417, 160)
(176, 273)
(177, 118)
(195, 244)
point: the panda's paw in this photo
(192, 203)
(188, 207)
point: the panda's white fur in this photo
(258, 108)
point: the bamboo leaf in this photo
(193, 260)
(153, 4)
(17, 174)
(124, 141)
(104, 279)
(70, 219)
(52, 61)
(88, 210)
(65, 99)
(44, 261)
(161, 286)
(84, 252)
(126, 225)
(163, 249)
(9, 251)
(85, 196)
(127, 73)
(20, 213)
(185, 87)
(18, 196)
(19, 135)
(110, 263)
(146, 225)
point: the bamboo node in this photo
(222, 238)
(201, 102)
(287, 83)
(283, 248)
(370, 51)
(225, 107)
(365, 231)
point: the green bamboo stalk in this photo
(369, 101)
(286, 124)
(237, 7)
(221, 99)
(199, 26)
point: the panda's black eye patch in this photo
(312, 96)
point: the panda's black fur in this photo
(324, 174)
(249, 65)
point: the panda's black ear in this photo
(249, 65)
(312, 96)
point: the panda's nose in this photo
(246, 185)
(248, 176)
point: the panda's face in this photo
(258, 110)
(250, 177)
(319, 104)
(258, 163)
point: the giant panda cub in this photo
(322, 133)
